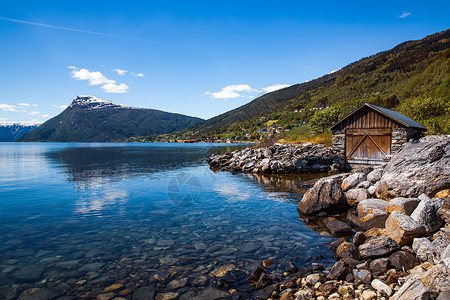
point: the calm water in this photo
(76, 218)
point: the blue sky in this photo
(199, 58)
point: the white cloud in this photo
(275, 87)
(71, 67)
(33, 113)
(23, 104)
(231, 91)
(4, 119)
(139, 75)
(97, 78)
(94, 77)
(35, 105)
(46, 116)
(112, 87)
(404, 15)
(120, 72)
(8, 107)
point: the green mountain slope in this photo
(90, 119)
(413, 78)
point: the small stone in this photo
(222, 271)
(347, 250)
(353, 180)
(106, 296)
(327, 289)
(113, 288)
(368, 295)
(338, 228)
(267, 263)
(335, 244)
(144, 293)
(264, 280)
(381, 287)
(334, 296)
(362, 275)
(403, 261)
(377, 247)
(256, 274)
(339, 271)
(166, 296)
(313, 279)
(344, 290)
(177, 283)
(359, 238)
(380, 265)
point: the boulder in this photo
(418, 168)
(426, 213)
(357, 194)
(353, 180)
(372, 190)
(445, 257)
(405, 205)
(445, 211)
(402, 228)
(377, 247)
(375, 175)
(325, 196)
(371, 214)
(412, 289)
(364, 185)
(359, 238)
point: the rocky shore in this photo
(281, 158)
(392, 226)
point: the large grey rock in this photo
(325, 196)
(353, 180)
(366, 207)
(445, 257)
(412, 289)
(377, 247)
(357, 194)
(402, 228)
(418, 168)
(426, 213)
(375, 175)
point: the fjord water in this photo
(76, 218)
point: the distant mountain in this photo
(90, 119)
(11, 131)
(413, 78)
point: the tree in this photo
(323, 119)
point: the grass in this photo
(303, 134)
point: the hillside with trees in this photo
(412, 78)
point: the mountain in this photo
(11, 131)
(90, 119)
(413, 78)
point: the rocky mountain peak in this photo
(91, 102)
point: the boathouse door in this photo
(368, 144)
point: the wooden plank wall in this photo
(368, 118)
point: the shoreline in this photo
(383, 245)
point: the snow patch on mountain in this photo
(91, 102)
(20, 123)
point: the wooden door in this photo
(368, 143)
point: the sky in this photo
(199, 58)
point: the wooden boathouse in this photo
(372, 134)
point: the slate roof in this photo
(395, 115)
